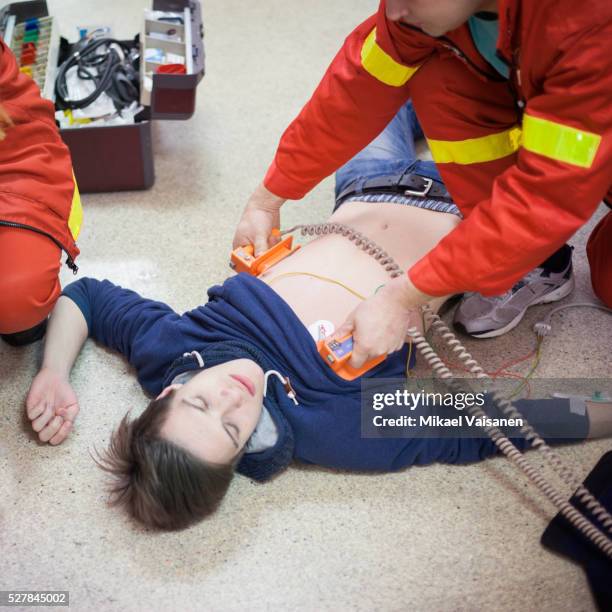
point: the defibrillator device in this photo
(335, 352)
(243, 258)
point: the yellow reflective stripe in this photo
(559, 142)
(382, 66)
(75, 219)
(476, 150)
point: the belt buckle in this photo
(424, 191)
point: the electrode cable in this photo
(574, 516)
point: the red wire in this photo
(501, 371)
(514, 362)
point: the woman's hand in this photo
(260, 216)
(51, 406)
(380, 324)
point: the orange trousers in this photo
(29, 283)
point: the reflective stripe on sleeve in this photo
(382, 66)
(560, 142)
(476, 150)
(75, 219)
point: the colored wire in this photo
(502, 370)
(529, 374)
(512, 363)
(340, 284)
(408, 373)
(322, 278)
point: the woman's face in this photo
(214, 414)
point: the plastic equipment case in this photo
(120, 157)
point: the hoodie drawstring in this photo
(284, 380)
(197, 356)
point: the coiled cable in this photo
(503, 443)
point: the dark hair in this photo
(159, 483)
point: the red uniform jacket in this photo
(558, 153)
(37, 187)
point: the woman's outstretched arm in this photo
(142, 330)
(51, 403)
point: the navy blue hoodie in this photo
(246, 318)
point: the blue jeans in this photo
(391, 153)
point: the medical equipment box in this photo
(120, 157)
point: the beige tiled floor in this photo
(435, 538)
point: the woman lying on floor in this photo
(210, 417)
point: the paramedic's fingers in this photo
(382, 321)
(361, 352)
(259, 217)
(360, 355)
(346, 328)
(366, 350)
(255, 228)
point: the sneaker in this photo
(487, 317)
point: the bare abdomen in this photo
(405, 232)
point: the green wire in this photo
(529, 374)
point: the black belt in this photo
(400, 184)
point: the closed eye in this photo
(197, 402)
(236, 435)
(202, 406)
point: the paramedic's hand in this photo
(51, 406)
(259, 217)
(380, 324)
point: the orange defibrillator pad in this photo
(244, 260)
(337, 355)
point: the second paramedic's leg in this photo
(29, 284)
(390, 159)
(599, 252)
(469, 124)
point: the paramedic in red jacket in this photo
(40, 209)
(527, 156)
